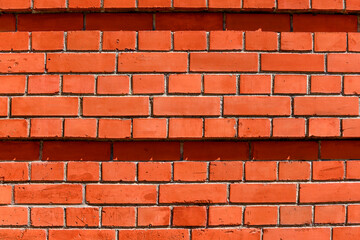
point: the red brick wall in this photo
(179, 119)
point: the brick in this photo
(50, 22)
(78, 84)
(80, 128)
(5, 194)
(220, 128)
(225, 215)
(260, 215)
(260, 171)
(46, 127)
(329, 192)
(119, 194)
(297, 233)
(351, 85)
(189, 216)
(145, 151)
(253, 22)
(211, 151)
(352, 5)
(82, 217)
(118, 171)
(48, 194)
(159, 234)
(148, 84)
(343, 63)
(324, 23)
(47, 41)
(289, 127)
(220, 84)
(10, 172)
(154, 4)
(47, 171)
(352, 170)
(255, 84)
(261, 41)
(185, 128)
(329, 170)
(9, 150)
(294, 171)
(43, 84)
(82, 172)
(263, 193)
(229, 4)
(49, 4)
(153, 216)
(190, 171)
(83, 40)
(190, 40)
(223, 62)
(290, 84)
(14, 216)
(14, 41)
(330, 42)
(152, 62)
(119, 21)
(293, 4)
(113, 85)
(189, 4)
(326, 106)
(30, 234)
(17, 5)
(80, 62)
(155, 40)
(251, 128)
(327, 5)
(292, 62)
(353, 214)
(75, 151)
(350, 233)
(119, 4)
(119, 40)
(22, 63)
(353, 42)
(226, 171)
(295, 215)
(194, 193)
(103, 234)
(325, 84)
(226, 40)
(185, 22)
(296, 41)
(203, 234)
(47, 217)
(340, 150)
(114, 106)
(330, 214)
(89, 4)
(185, 83)
(7, 23)
(13, 128)
(154, 172)
(149, 128)
(12, 84)
(114, 128)
(261, 4)
(256, 106)
(324, 127)
(118, 216)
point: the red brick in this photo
(351, 85)
(353, 42)
(83, 172)
(324, 23)
(49, 4)
(145, 151)
(289, 127)
(78, 84)
(90, 4)
(292, 62)
(118, 171)
(75, 151)
(184, 83)
(43, 84)
(204, 234)
(116, 106)
(353, 214)
(47, 171)
(120, 194)
(9, 150)
(119, 4)
(328, 170)
(223, 62)
(326, 106)
(293, 4)
(50, 22)
(83, 40)
(119, 21)
(343, 63)
(149, 128)
(226, 40)
(5, 194)
(263, 193)
(22, 63)
(260, 215)
(325, 84)
(210, 151)
(155, 40)
(226, 171)
(118, 216)
(352, 5)
(48, 194)
(189, 216)
(14, 216)
(46, 127)
(225, 215)
(153, 216)
(194, 193)
(154, 172)
(15, 5)
(260, 171)
(190, 171)
(7, 23)
(330, 42)
(220, 128)
(102, 234)
(13, 128)
(256, 106)
(119, 40)
(261, 41)
(349, 233)
(185, 128)
(340, 150)
(80, 62)
(297, 233)
(295, 215)
(4, 104)
(220, 84)
(190, 40)
(31, 234)
(14, 41)
(352, 170)
(159, 234)
(189, 4)
(80, 128)
(82, 217)
(330, 214)
(324, 127)
(255, 84)
(154, 4)
(228, 4)
(290, 84)
(12, 84)
(114, 128)
(47, 217)
(148, 84)
(327, 5)
(296, 41)
(261, 4)
(294, 171)
(118, 84)
(251, 128)
(50, 41)
(185, 22)
(253, 22)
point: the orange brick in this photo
(118, 171)
(154, 172)
(251, 128)
(83, 171)
(353, 214)
(155, 40)
(328, 170)
(263, 41)
(15, 216)
(260, 215)
(78, 84)
(82, 217)
(43, 84)
(190, 40)
(119, 4)
(294, 171)
(261, 4)
(83, 128)
(330, 214)
(297, 233)
(229, 4)
(353, 42)
(189, 4)
(324, 127)
(13, 128)
(49, 127)
(343, 63)
(118, 216)
(47, 171)
(351, 85)
(105, 234)
(149, 128)
(189, 83)
(14, 171)
(185, 128)
(327, 5)
(255, 84)
(289, 127)
(352, 170)
(226, 40)
(119, 40)
(47, 217)
(325, 84)
(49, 4)
(12, 84)
(114, 128)
(113, 85)
(225, 215)
(190, 171)
(293, 4)
(154, 4)
(296, 41)
(220, 128)
(6, 194)
(295, 215)
(189, 216)
(330, 42)
(49, 41)
(83, 40)
(226, 171)
(153, 216)
(219, 84)
(14, 41)
(260, 171)
(290, 84)
(148, 84)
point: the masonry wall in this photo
(179, 119)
